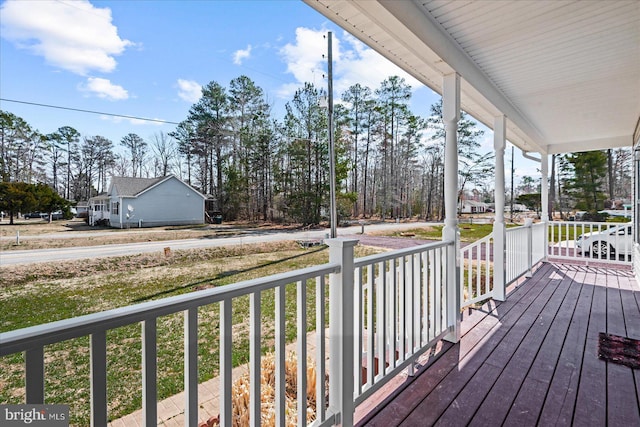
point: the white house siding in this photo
(468, 206)
(169, 202)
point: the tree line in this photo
(254, 166)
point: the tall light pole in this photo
(332, 152)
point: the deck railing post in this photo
(453, 298)
(341, 331)
(98, 373)
(34, 374)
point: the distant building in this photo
(147, 202)
(472, 206)
(517, 207)
(81, 209)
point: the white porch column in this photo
(499, 236)
(450, 232)
(544, 202)
(544, 190)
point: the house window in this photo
(115, 208)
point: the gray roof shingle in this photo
(126, 186)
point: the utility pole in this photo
(332, 154)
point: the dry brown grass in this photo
(241, 391)
(38, 234)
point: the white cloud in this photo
(304, 59)
(241, 54)
(132, 121)
(103, 88)
(72, 35)
(359, 64)
(353, 62)
(189, 90)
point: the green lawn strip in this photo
(468, 232)
(67, 363)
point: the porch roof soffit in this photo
(564, 73)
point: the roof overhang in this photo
(566, 74)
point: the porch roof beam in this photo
(590, 145)
(424, 42)
(432, 37)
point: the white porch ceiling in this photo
(565, 73)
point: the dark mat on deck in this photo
(617, 349)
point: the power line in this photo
(69, 4)
(89, 111)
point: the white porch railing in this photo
(603, 242)
(539, 242)
(392, 313)
(400, 312)
(32, 342)
(525, 247)
(476, 271)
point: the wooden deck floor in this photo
(532, 360)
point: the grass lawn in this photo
(468, 232)
(44, 293)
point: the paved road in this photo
(76, 253)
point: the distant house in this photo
(147, 202)
(517, 207)
(471, 206)
(98, 210)
(82, 208)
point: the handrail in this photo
(386, 256)
(62, 330)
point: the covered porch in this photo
(398, 340)
(549, 77)
(530, 360)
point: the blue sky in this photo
(149, 58)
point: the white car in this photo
(616, 240)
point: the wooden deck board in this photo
(527, 405)
(495, 344)
(496, 405)
(622, 406)
(631, 308)
(560, 401)
(532, 360)
(591, 403)
(412, 396)
(472, 396)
